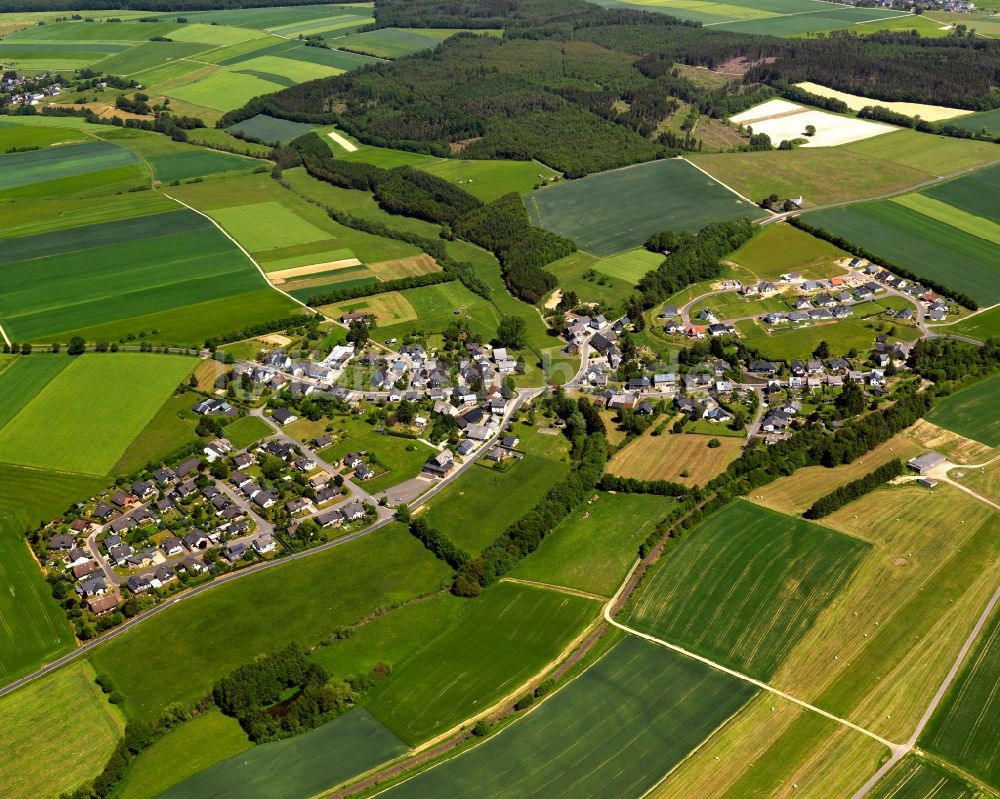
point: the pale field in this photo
(782, 120)
(956, 448)
(766, 110)
(797, 492)
(985, 480)
(282, 275)
(879, 651)
(932, 113)
(421, 264)
(347, 145)
(390, 308)
(775, 748)
(664, 457)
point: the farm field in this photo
(505, 638)
(972, 193)
(297, 766)
(187, 749)
(577, 272)
(170, 429)
(615, 211)
(84, 169)
(22, 379)
(13, 135)
(939, 157)
(489, 180)
(726, 589)
(960, 729)
(269, 129)
(164, 660)
(972, 412)
(594, 547)
(86, 735)
(434, 308)
(65, 428)
(950, 215)
(195, 163)
(956, 448)
(881, 648)
(664, 457)
(629, 266)
(780, 249)
(396, 42)
(982, 326)
(785, 121)
(984, 120)
(932, 113)
(623, 724)
(244, 432)
(916, 778)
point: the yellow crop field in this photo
(389, 308)
(404, 267)
(664, 457)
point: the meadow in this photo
(298, 766)
(916, 778)
(935, 155)
(615, 730)
(972, 193)
(435, 307)
(71, 169)
(972, 412)
(87, 415)
(165, 659)
(960, 730)
(578, 273)
(982, 326)
(779, 249)
(13, 135)
(244, 432)
(666, 456)
(22, 379)
(489, 180)
(629, 266)
(505, 638)
(402, 458)
(39, 762)
(618, 210)
(269, 129)
(172, 428)
(397, 42)
(745, 585)
(594, 547)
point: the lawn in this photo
(244, 432)
(171, 429)
(745, 585)
(489, 180)
(46, 172)
(594, 547)
(503, 640)
(916, 778)
(165, 659)
(614, 731)
(973, 412)
(960, 729)
(629, 266)
(780, 249)
(68, 426)
(618, 210)
(304, 765)
(402, 457)
(666, 456)
(186, 750)
(268, 129)
(59, 732)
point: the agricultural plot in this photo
(14, 136)
(172, 428)
(973, 412)
(780, 249)
(629, 266)
(55, 56)
(504, 639)
(67, 427)
(594, 547)
(922, 244)
(268, 129)
(401, 458)
(395, 42)
(618, 210)
(746, 585)
(268, 18)
(680, 458)
(119, 272)
(577, 272)
(983, 325)
(973, 193)
(964, 726)
(940, 156)
(36, 761)
(489, 180)
(932, 113)
(984, 120)
(435, 307)
(198, 163)
(224, 90)
(622, 725)
(916, 778)
(950, 215)
(56, 171)
(333, 588)
(22, 379)
(785, 121)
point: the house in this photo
(193, 565)
(924, 463)
(510, 442)
(165, 477)
(863, 293)
(319, 481)
(717, 414)
(936, 314)
(243, 460)
(824, 301)
(234, 553)
(775, 318)
(839, 365)
(332, 518)
(264, 543)
(92, 586)
(120, 498)
(465, 447)
(668, 311)
(638, 383)
(122, 524)
(323, 441)
(188, 467)
(481, 432)
(803, 304)
(220, 502)
(906, 315)
(364, 472)
(240, 479)
(353, 512)
(814, 367)
(352, 459)
(139, 584)
(163, 505)
(719, 329)
(172, 545)
(762, 368)
(689, 406)
(264, 499)
(103, 511)
(283, 416)
(305, 464)
(164, 573)
(103, 604)
(84, 569)
(327, 494)
(440, 465)
(211, 406)
(644, 408)
(297, 505)
(76, 556)
(196, 539)
(62, 542)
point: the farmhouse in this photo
(440, 465)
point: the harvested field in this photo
(390, 308)
(916, 778)
(931, 113)
(782, 120)
(956, 448)
(664, 457)
(404, 267)
(342, 141)
(282, 275)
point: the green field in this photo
(971, 412)
(244, 432)
(166, 660)
(304, 765)
(982, 326)
(984, 120)
(915, 778)
(618, 210)
(974, 193)
(396, 42)
(779, 249)
(489, 180)
(266, 226)
(58, 733)
(629, 266)
(172, 428)
(78, 423)
(268, 129)
(435, 307)
(963, 729)
(951, 215)
(745, 585)
(577, 272)
(936, 155)
(224, 90)
(22, 379)
(924, 245)
(54, 170)
(402, 457)
(615, 731)
(593, 549)
(503, 640)
(13, 135)
(196, 163)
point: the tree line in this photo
(378, 287)
(883, 114)
(853, 490)
(436, 541)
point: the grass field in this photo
(972, 193)
(67, 427)
(939, 156)
(435, 307)
(395, 42)
(982, 326)
(664, 457)
(950, 215)
(269, 129)
(14, 135)
(168, 431)
(56, 171)
(304, 765)
(780, 249)
(745, 585)
(504, 639)
(577, 272)
(973, 412)
(984, 120)
(402, 457)
(165, 660)
(916, 778)
(192, 164)
(22, 379)
(488, 180)
(59, 731)
(244, 432)
(618, 210)
(594, 547)
(183, 752)
(614, 731)
(629, 266)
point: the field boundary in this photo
(561, 589)
(727, 186)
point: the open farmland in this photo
(916, 778)
(973, 412)
(745, 585)
(489, 180)
(22, 379)
(58, 733)
(298, 766)
(964, 727)
(64, 427)
(973, 193)
(594, 547)
(172, 428)
(616, 730)
(779, 249)
(982, 325)
(785, 121)
(81, 169)
(984, 120)
(165, 659)
(269, 129)
(504, 639)
(932, 113)
(618, 210)
(664, 457)
(941, 156)
(629, 266)
(920, 243)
